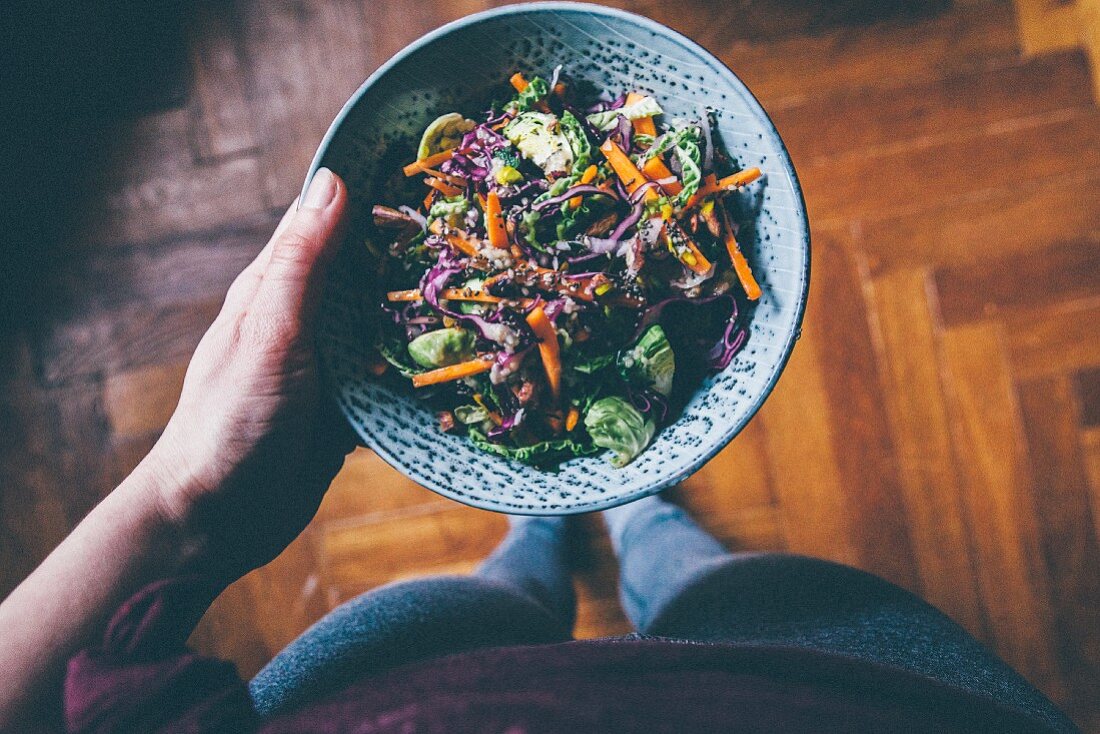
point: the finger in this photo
(244, 286)
(292, 280)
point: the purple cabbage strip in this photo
(628, 221)
(721, 353)
(435, 280)
(507, 424)
(603, 106)
(569, 194)
(623, 134)
(649, 401)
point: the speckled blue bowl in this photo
(452, 68)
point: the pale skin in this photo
(238, 472)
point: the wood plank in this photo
(1001, 511)
(367, 485)
(140, 402)
(1048, 25)
(943, 171)
(122, 339)
(306, 59)
(1068, 532)
(1090, 448)
(896, 53)
(222, 119)
(865, 454)
(155, 190)
(1064, 272)
(373, 551)
(735, 479)
(905, 337)
(797, 421)
(1063, 338)
(1090, 41)
(871, 121)
(1088, 396)
(193, 267)
(1010, 220)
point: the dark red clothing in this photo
(142, 678)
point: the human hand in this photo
(253, 445)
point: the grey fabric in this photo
(676, 582)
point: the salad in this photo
(558, 276)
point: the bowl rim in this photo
(788, 165)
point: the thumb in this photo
(302, 249)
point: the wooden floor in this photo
(939, 423)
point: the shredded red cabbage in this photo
(569, 194)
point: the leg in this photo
(679, 582)
(512, 600)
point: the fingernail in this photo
(321, 191)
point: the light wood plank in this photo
(1048, 25)
(1001, 511)
(1064, 338)
(1090, 448)
(905, 337)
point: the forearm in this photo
(123, 544)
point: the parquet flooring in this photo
(939, 423)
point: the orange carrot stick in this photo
(518, 82)
(644, 125)
(656, 170)
(453, 372)
(586, 178)
(693, 257)
(442, 187)
(494, 222)
(430, 162)
(548, 348)
(452, 180)
(739, 179)
(572, 418)
(740, 264)
(625, 169)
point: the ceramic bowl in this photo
(452, 68)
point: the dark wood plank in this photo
(122, 339)
(993, 224)
(222, 120)
(869, 122)
(1069, 542)
(1001, 511)
(897, 53)
(1088, 391)
(924, 177)
(306, 59)
(905, 334)
(1019, 282)
(140, 402)
(189, 268)
(154, 188)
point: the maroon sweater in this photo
(142, 678)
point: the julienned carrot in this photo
(453, 372)
(572, 418)
(739, 179)
(656, 170)
(494, 222)
(625, 169)
(442, 187)
(692, 257)
(455, 240)
(548, 348)
(586, 178)
(740, 264)
(643, 125)
(452, 180)
(518, 82)
(430, 162)
(452, 294)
